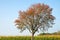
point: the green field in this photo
(42, 37)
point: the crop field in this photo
(41, 37)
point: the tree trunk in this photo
(32, 37)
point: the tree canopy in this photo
(38, 16)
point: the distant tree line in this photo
(55, 33)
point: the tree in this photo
(38, 16)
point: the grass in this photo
(41, 37)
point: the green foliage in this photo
(55, 37)
(54, 33)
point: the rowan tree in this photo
(38, 16)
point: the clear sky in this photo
(9, 12)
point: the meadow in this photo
(41, 37)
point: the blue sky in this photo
(9, 12)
